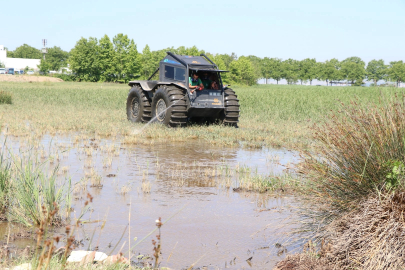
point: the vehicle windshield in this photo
(210, 80)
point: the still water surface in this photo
(188, 183)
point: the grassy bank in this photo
(355, 174)
(271, 115)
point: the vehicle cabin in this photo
(173, 68)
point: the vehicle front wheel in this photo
(169, 107)
(138, 106)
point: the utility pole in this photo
(44, 49)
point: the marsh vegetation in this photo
(64, 141)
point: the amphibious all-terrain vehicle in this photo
(170, 101)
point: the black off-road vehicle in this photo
(169, 100)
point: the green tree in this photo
(221, 65)
(57, 58)
(376, 70)
(25, 51)
(352, 69)
(156, 57)
(106, 55)
(186, 51)
(2, 65)
(126, 60)
(242, 72)
(277, 72)
(44, 66)
(396, 71)
(148, 66)
(290, 70)
(84, 60)
(271, 69)
(307, 70)
(257, 66)
(228, 59)
(329, 71)
(266, 68)
(54, 59)
(10, 54)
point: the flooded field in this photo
(202, 193)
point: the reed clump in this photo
(36, 194)
(359, 152)
(356, 173)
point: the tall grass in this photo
(356, 153)
(271, 115)
(5, 183)
(35, 194)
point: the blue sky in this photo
(285, 29)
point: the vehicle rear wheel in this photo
(169, 106)
(138, 105)
(230, 116)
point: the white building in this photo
(17, 63)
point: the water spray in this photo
(138, 132)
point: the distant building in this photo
(18, 63)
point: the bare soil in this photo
(27, 78)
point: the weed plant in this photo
(35, 193)
(259, 183)
(5, 97)
(5, 184)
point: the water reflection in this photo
(215, 226)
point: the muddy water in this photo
(189, 185)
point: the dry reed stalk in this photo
(371, 237)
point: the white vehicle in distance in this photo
(30, 72)
(2, 71)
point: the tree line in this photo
(118, 60)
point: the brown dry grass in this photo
(370, 237)
(28, 78)
(303, 262)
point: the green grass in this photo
(5, 183)
(271, 115)
(5, 98)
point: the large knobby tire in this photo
(138, 106)
(169, 106)
(231, 112)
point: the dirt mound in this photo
(27, 78)
(370, 237)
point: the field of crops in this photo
(271, 115)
